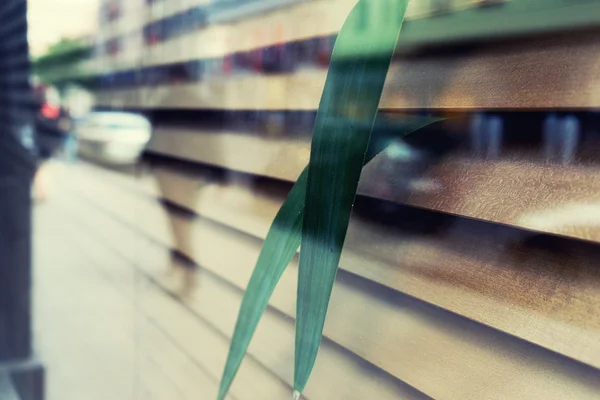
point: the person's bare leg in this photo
(41, 183)
(190, 283)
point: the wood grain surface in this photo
(387, 327)
(150, 365)
(544, 293)
(342, 375)
(542, 197)
(468, 359)
(204, 343)
(529, 74)
(465, 263)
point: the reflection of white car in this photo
(114, 137)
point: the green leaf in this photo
(281, 244)
(355, 81)
(279, 247)
(284, 236)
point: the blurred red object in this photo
(50, 112)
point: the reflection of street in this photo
(449, 295)
(102, 328)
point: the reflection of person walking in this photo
(41, 183)
(50, 132)
(70, 144)
(41, 153)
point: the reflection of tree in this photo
(62, 62)
(65, 50)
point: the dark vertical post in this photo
(17, 362)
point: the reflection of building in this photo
(156, 43)
(443, 292)
(250, 55)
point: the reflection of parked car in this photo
(114, 137)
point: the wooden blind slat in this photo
(549, 198)
(540, 74)
(123, 248)
(538, 372)
(384, 328)
(342, 376)
(469, 259)
(513, 288)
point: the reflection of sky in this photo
(51, 20)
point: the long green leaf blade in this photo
(281, 243)
(355, 81)
(279, 247)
